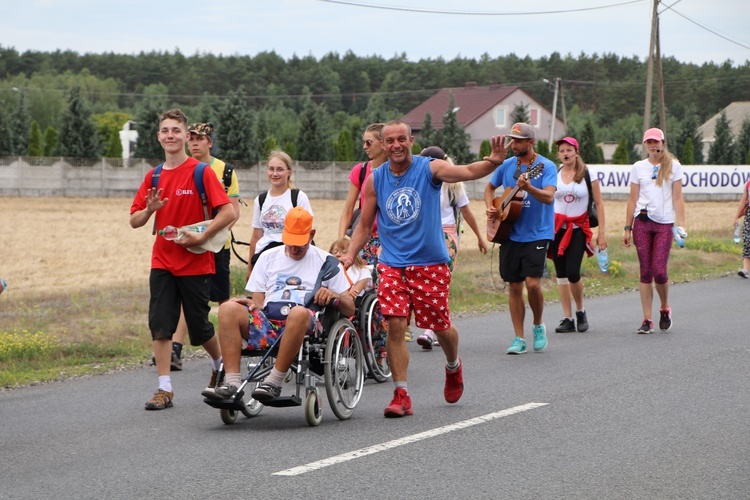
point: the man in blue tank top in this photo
(523, 256)
(404, 194)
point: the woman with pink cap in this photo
(576, 190)
(655, 211)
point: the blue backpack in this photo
(197, 178)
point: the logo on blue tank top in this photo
(403, 205)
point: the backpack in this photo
(227, 179)
(262, 198)
(591, 208)
(357, 211)
(199, 185)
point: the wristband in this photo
(628, 228)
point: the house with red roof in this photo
(485, 111)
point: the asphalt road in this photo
(616, 415)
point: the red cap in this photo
(570, 141)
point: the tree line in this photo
(70, 104)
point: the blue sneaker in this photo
(517, 347)
(540, 337)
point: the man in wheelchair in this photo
(286, 284)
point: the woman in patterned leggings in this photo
(742, 212)
(655, 208)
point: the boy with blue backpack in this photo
(179, 276)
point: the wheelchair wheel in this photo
(313, 409)
(344, 369)
(374, 337)
(252, 406)
(228, 416)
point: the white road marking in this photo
(363, 452)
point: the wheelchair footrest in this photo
(226, 404)
(284, 401)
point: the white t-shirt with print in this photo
(271, 218)
(282, 278)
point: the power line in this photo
(669, 7)
(473, 13)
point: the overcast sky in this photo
(383, 27)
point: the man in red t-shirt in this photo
(179, 277)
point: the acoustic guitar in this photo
(508, 209)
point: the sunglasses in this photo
(368, 142)
(656, 171)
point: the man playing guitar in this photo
(530, 181)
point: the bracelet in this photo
(628, 228)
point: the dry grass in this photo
(64, 245)
(78, 274)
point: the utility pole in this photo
(660, 84)
(557, 84)
(554, 114)
(650, 70)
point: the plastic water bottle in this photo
(737, 231)
(602, 257)
(173, 233)
(679, 236)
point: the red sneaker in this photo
(454, 383)
(400, 405)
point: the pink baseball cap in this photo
(653, 134)
(569, 140)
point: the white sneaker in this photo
(426, 340)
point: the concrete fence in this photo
(111, 177)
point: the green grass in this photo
(49, 337)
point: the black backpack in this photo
(262, 198)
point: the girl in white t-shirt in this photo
(573, 233)
(268, 220)
(358, 274)
(655, 209)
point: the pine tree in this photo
(376, 111)
(147, 126)
(235, 134)
(35, 140)
(520, 114)
(345, 146)
(689, 130)
(312, 138)
(743, 142)
(688, 153)
(78, 137)
(588, 147)
(5, 142)
(485, 149)
(541, 147)
(51, 142)
(620, 156)
(599, 155)
(722, 151)
(271, 144)
(114, 145)
(290, 148)
(19, 127)
(428, 131)
(453, 137)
